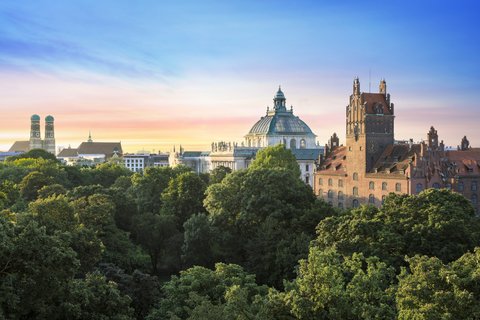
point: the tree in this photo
(276, 157)
(160, 238)
(32, 183)
(184, 197)
(433, 290)
(55, 213)
(96, 298)
(435, 222)
(227, 292)
(330, 286)
(51, 190)
(218, 174)
(256, 216)
(198, 241)
(34, 154)
(35, 268)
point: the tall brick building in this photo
(372, 164)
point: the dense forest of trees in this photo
(106, 243)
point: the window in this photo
(330, 182)
(384, 186)
(307, 180)
(474, 186)
(460, 186)
(355, 203)
(320, 192)
(371, 199)
(340, 195)
(320, 181)
(436, 185)
(474, 199)
(293, 144)
(307, 168)
(355, 176)
(303, 144)
(340, 205)
(355, 191)
(340, 183)
(371, 185)
(330, 194)
(419, 187)
(398, 187)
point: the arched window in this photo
(474, 186)
(303, 144)
(259, 143)
(371, 185)
(398, 187)
(419, 187)
(284, 142)
(371, 199)
(474, 199)
(436, 185)
(330, 182)
(355, 191)
(320, 193)
(384, 186)
(320, 181)
(460, 186)
(355, 203)
(340, 195)
(355, 176)
(330, 194)
(340, 183)
(293, 144)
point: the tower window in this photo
(355, 191)
(355, 176)
(371, 185)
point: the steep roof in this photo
(20, 146)
(67, 153)
(395, 158)
(106, 148)
(466, 161)
(335, 163)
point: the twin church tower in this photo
(36, 141)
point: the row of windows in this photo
(371, 184)
(330, 182)
(473, 186)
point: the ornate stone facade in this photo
(372, 164)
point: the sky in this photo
(154, 74)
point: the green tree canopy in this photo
(276, 157)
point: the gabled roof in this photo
(106, 148)
(67, 153)
(335, 163)
(466, 161)
(395, 158)
(20, 146)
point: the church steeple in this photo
(356, 87)
(89, 137)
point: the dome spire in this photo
(279, 101)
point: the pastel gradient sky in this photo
(152, 74)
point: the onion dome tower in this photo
(49, 142)
(35, 138)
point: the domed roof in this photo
(49, 118)
(35, 117)
(280, 123)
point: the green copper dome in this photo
(49, 118)
(35, 117)
(280, 123)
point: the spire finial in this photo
(90, 136)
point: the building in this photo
(91, 153)
(278, 126)
(139, 161)
(36, 142)
(372, 164)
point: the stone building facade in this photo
(372, 164)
